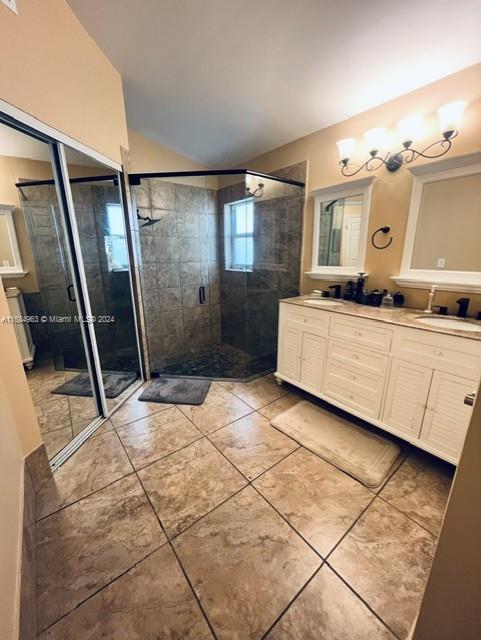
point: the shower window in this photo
(239, 236)
(115, 245)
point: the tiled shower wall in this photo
(249, 301)
(116, 341)
(179, 254)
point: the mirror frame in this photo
(466, 281)
(17, 270)
(353, 188)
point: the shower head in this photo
(257, 193)
(147, 219)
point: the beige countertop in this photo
(402, 316)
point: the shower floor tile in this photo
(221, 362)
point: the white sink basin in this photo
(449, 323)
(323, 302)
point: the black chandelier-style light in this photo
(410, 128)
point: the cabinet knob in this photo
(469, 398)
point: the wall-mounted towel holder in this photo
(384, 229)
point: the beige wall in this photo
(11, 169)
(391, 191)
(19, 434)
(146, 156)
(53, 70)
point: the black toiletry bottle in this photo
(375, 298)
(398, 299)
(349, 291)
(359, 295)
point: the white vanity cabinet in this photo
(410, 382)
(302, 346)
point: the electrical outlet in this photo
(441, 263)
(11, 4)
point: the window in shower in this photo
(239, 235)
(115, 245)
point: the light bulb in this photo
(375, 139)
(346, 147)
(410, 128)
(450, 116)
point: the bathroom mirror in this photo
(10, 259)
(339, 232)
(444, 228)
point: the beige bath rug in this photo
(357, 451)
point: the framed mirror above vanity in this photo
(443, 235)
(341, 220)
(10, 258)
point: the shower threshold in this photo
(223, 362)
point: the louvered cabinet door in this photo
(290, 352)
(312, 361)
(447, 417)
(406, 397)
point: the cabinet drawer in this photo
(355, 389)
(444, 353)
(362, 333)
(368, 361)
(312, 320)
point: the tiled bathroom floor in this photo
(190, 523)
(60, 417)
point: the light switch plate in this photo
(441, 263)
(11, 4)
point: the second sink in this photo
(323, 302)
(449, 323)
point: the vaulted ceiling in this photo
(222, 81)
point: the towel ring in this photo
(385, 229)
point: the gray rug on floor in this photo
(176, 391)
(357, 451)
(114, 384)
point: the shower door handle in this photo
(69, 293)
(201, 295)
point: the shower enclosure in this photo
(218, 250)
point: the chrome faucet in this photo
(432, 293)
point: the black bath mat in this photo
(114, 384)
(176, 391)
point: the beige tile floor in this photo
(61, 417)
(207, 522)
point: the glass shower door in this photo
(102, 234)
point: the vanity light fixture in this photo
(410, 128)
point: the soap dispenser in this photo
(359, 295)
(387, 300)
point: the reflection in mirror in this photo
(341, 218)
(102, 234)
(448, 227)
(10, 258)
(339, 232)
(51, 341)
